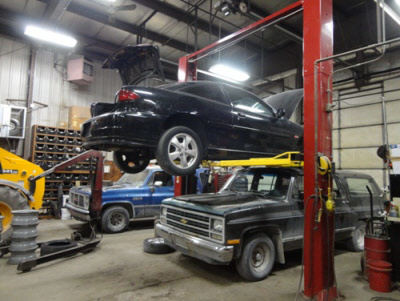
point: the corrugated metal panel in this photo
(359, 131)
(14, 61)
(51, 88)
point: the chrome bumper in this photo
(195, 247)
(78, 213)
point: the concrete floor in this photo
(119, 270)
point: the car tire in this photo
(131, 162)
(168, 154)
(156, 245)
(114, 219)
(257, 258)
(356, 242)
(53, 246)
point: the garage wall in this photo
(14, 64)
(50, 86)
(358, 126)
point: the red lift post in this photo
(319, 275)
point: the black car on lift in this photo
(181, 124)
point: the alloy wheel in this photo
(183, 150)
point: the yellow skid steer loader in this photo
(15, 190)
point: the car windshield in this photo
(266, 183)
(134, 179)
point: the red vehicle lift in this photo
(319, 274)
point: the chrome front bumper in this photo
(195, 247)
(78, 213)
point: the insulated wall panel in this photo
(14, 65)
(361, 137)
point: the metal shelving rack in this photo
(51, 146)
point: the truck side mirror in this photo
(280, 113)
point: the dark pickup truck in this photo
(258, 215)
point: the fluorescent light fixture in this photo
(390, 11)
(50, 36)
(229, 72)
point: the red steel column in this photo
(319, 275)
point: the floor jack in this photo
(86, 240)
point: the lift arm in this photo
(97, 181)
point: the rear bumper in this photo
(119, 130)
(78, 213)
(195, 247)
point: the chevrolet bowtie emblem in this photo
(183, 221)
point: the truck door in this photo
(161, 187)
(359, 199)
(345, 217)
(296, 224)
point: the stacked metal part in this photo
(23, 238)
(1, 225)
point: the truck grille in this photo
(79, 200)
(191, 222)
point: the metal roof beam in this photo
(186, 17)
(104, 18)
(55, 9)
(181, 15)
(289, 31)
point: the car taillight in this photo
(126, 95)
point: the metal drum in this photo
(23, 238)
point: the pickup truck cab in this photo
(258, 215)
(133, 196)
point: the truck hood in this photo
(218, 203)
(87, 189)
(288, 101)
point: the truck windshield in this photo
(268, 184)
(134, 179)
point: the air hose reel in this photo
(325, 168)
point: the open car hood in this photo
(288, 101)
(137, 65)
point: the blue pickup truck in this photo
(133, 196)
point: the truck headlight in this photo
(217, 225)
(163, 211)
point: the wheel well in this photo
(189, 121)
(273, 232)
(127, 206)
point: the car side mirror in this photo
(280, 113)
(158, 183)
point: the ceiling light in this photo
(50, 36)
(390, 11)
(229, 72)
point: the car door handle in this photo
(241, 115)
